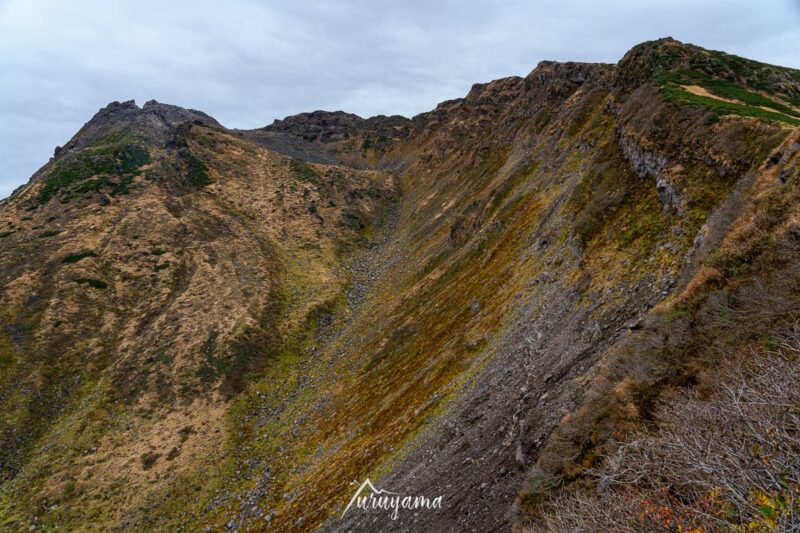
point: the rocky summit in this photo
(565, 302)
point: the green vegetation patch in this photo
(725, 89)
(75, 257)
(359, 231)
(752, 104)
(607, 187)
(122, 159)
(212, 366)
(304, 172)
(757, 75)
(677, 94)
(94, 283)
(198, 172)
(48, 233)
(149, 460)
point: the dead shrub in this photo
(726, 459)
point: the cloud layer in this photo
(247, 62)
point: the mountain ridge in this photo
(649, 56)
(224, 328)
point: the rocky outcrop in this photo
(344, 136)
(152, 120)
(646, 164)
(650, 165)
(667, 194)
(154, 123)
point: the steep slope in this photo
(150, 271)
(203, 331)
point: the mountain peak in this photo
(119, 112)
(154, 123)
(645, 60)
(651, 61)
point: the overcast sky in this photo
(247, 62)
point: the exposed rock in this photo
(644, 163)
(666, 194)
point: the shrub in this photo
(198, 171)
(173, 453)
(354, 220)
(304, 172)
(185, 432)
(724, 460)
(95, 283)
(212, 366)
(75, 257)
(149, 460)
(123, 159)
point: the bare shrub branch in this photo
(727, 462)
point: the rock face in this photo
(152, 119)
(154, 123)
(223, 329)
(645, 164)
(347, 137)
